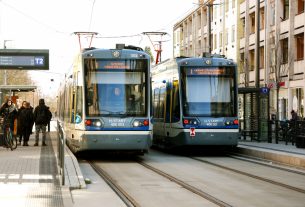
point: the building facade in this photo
(281, 51)
(231, 31)
(194, 34)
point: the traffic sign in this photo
(192, 132)
(264, 90)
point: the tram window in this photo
(156, 101)
(162, 103)
(79, 108)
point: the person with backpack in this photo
(42, 116)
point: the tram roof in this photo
(22, 88)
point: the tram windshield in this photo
(116, 87)
(208, 91)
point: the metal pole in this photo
(257, 80)
(257, 43)
(209, 27)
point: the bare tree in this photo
(280, 62)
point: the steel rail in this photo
(251, 175)
(125, 197)
(187, 186)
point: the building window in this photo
(299, 46)
(300, 6)
(242, 62)
(284, 48)
(233, 4)
(220, 39)
(261, 57)
(262, 18)
(252, 60)
(285, 9)
(243, 24)
(252, 23)
(233, 33)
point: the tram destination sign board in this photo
(24, 59)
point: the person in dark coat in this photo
(26, 117)
(9, 113)
(42, 117)
(19, 127)
(294, 115)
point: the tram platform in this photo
(280, 153)
(29, 175)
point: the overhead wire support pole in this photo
(90, 34)
(159, 48)
(209, 6)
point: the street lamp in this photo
(5, 72)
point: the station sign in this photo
(24, 59)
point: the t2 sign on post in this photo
(24, 59)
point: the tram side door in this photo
(167, 111)
(174, 108)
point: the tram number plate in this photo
(117, 122)
(192, 132)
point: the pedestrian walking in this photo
(26, 117)
(42, 117)
(19, 127)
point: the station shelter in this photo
(253, 112)
(17, 93)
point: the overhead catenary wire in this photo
(91, 15)
(32, 18)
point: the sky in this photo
(50, 24)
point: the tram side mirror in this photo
(90, 97)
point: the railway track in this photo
(300, 190)
(219, 181)
(131, 202)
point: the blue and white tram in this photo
(105, 101)
(195, 102)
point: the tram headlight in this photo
(98, 123)
(136, 123)
(139, 123)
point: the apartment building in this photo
(231, 31)
(191, 34)
(281, 51)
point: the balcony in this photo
(299, 20)
(262, 35)
(284, 26)
(242, 43)
(242, 7)
(252, 39)
(299, 66)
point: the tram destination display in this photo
(24, 59)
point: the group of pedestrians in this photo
(26, 117)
